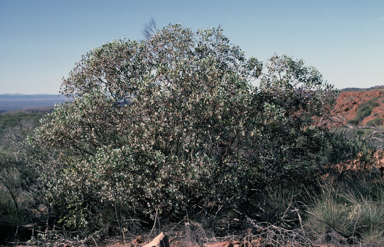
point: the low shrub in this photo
(363, 111)
(377, 121)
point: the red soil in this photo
(348, 103)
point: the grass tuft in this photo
(354, 212)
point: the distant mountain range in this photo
(29, 103)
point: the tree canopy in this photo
(165, 126)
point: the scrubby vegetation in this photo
(8, 121)
(348, 213)
(364, 111)
(169, 134)
(377, 121)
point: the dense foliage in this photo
(172, 125)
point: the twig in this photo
(118, 221)
(154, 223)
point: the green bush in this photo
(363, 111)
(345, 144)
(377, 121)
(166, 126)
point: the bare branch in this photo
(149, 29)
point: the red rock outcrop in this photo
(348, 103)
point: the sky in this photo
(41, 40)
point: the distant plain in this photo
(13, 103)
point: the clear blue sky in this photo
(41, 40)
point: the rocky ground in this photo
(349, 103)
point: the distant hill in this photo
(356, 89)
(29, 103)
(360, 106)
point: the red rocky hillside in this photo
(361, 106)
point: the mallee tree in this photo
(166, 126)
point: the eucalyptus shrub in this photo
(166, 126)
